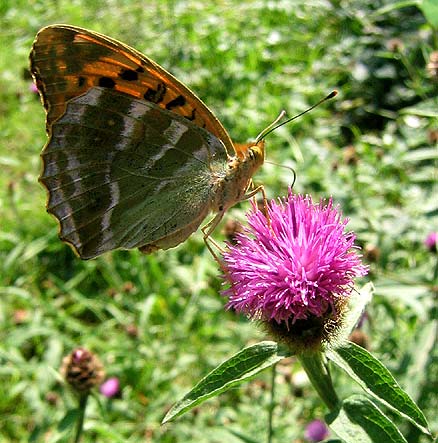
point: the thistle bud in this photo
(82, 370)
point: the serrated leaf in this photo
(243, 365)
(360, 421)
(377, 381)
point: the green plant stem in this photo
(435, 272)
(316, 369)
(271, 403)
(80, 423)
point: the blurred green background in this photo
(158, 322)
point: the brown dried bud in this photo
(231, 228)
(360, 338)
(432, 66)
(395, 45)
(432, 136)
(82, 370)
(21, 316)
(132, 330)
(350, 155)
(52, 398)
(128, 287)
(371, 253)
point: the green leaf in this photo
(377, 381)
(242, 437)
(393, 6)
(422, 154)
(360, 421)
(422, 356)
(426, 108)
(240, 367)
(69, 419)
(430, 11)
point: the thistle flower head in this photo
(431, 242)
(316, 431)
(296, 264)
(82, 370)
(110, 388)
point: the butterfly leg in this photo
(208, 229)
(211, 244)
(264, 209)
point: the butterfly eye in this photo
(256, 152)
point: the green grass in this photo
(371, 148)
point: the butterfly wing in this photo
(125, 173)
(66, 61)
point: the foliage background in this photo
(157, 322)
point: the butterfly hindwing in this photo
(125, 173)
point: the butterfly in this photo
(134, 159)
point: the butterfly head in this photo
(232, 186)
(250, 156)
(251, 152)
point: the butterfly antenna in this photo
(285, 167)
(273, 126)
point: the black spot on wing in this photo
(128, 74)
(155, 95)
(176, 102)
(107, 82)
(81, 81)
(192, 116)
(140, 70)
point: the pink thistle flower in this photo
(110, 388)
(33, 88)
(431, 242)
(296, 266)
(316, 431)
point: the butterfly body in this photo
(134, 158)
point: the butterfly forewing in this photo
(66, 61)
(126, 173)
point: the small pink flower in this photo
(33, 88)
(294, 267)
(110, 388)
(316, 431)
(431, 242)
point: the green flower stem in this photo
(271, 404)
(80, 423)
(435, 272)
(316, 369)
